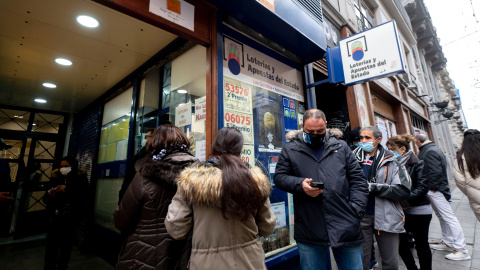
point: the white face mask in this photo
(65, 170)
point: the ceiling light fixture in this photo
(87, 21)
(63, 61)
(182, 91)
(40, 100)
(49, 85)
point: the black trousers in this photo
(59, 243)
(418, 225)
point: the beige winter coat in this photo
(218, 243)
(469, 187)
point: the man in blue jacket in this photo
(329, 215)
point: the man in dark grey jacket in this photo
(439, 194)
(329, 214)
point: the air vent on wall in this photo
(312, 7)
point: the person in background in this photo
(467, 169)
(388, 184)
(143, 208)
(6, 195)
(227, 205)
(66, 202)
(355, 140)
(327, 215)
(418, 212)
(130, 174)
(439, 194)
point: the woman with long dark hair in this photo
(417, 208)
(228, 206)
(467, 169)
(142, 210)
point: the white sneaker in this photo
(457, 255)
(441, 246)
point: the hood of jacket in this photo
(203, 184)
(166, 170)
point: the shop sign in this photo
(372, 54)
(183, 115)
(176, 11)
(201, 109)
(250, 66)
(278, 210)
(242, 122)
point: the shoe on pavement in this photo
(373, 263)
(457, 255)
(441, 246)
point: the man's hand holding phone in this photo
(310, 190)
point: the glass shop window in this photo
(184, 100)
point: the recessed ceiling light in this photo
(63, 61)
(34, 124)
(39, 100)
(87, 21)
(182, 91)
(49, 85)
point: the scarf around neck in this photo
(159, 155)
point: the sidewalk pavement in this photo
(471, 230)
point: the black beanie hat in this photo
(355, 134)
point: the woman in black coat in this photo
(143, 208)
(418, 212)
(66, 203)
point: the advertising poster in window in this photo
(237, 95)
(289, 115)
(242, 122)
(183, 115)
(248, 154)
(387, 128)
(269, 122)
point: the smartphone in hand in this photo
(316, 184)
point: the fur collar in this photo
(166, 170)
(203, 184)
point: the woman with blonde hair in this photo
(228, 206)
(467, 169)
(418, 212)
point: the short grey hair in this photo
(421, 137)
(315, 114)
(376, 132)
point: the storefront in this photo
(224, 69)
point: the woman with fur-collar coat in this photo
(228, 207)
(142, 210)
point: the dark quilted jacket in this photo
(141, 214)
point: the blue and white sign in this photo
(371, 54)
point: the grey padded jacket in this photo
(391, 185)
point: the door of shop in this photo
(37, 140)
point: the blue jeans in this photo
(318, 257)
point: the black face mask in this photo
(315, 140)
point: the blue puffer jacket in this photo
(334, 216)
